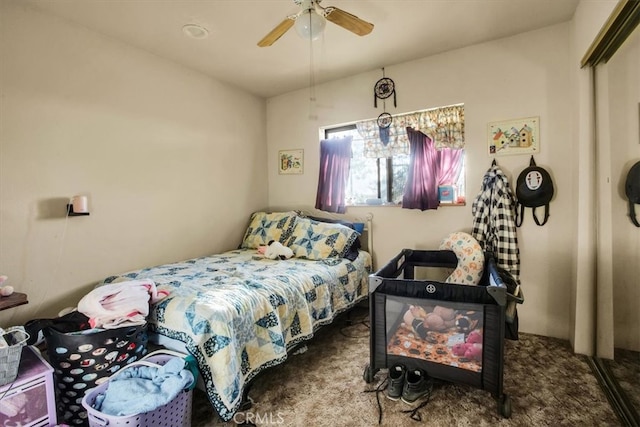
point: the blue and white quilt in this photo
(238, 312)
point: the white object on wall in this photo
(80, 204)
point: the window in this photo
(371, 180)
(380, 178)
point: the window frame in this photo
(387, 166)
(327, 132)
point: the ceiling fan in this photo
(310, 21)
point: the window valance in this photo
(444, 125)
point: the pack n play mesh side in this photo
(463, 341)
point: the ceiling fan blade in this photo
(276, 33)
(348, 21)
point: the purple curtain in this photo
(428, 168)
(335, 159)
(421, 190)
(450, 162)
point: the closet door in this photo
(616, 64)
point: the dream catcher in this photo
(384, 88)
(384, 123)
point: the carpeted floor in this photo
(625, 368)
(324, 386)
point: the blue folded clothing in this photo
(138, 389)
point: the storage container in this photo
(84, 359)
(12, 341)
(176, 413)
(29, 400)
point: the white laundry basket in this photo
(174, 414)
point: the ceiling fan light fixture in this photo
(311, 20)
(309, 25)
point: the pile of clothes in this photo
(109, 306)
(120, 304)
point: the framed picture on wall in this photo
(517, 136)
(291, 162)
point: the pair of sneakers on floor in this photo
(407, 384)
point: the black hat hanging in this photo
(632, 190)
(383, 89)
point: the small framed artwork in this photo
(291, 162)
(517, 136)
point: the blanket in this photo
(239, 312)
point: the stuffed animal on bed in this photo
(276, 250)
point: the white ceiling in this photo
(404, 30)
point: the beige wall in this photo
(521, 76)
(172, 161)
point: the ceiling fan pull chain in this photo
(312, 84)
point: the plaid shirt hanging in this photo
(494, 224)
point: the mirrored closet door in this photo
(615, 62)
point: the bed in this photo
(239, 313)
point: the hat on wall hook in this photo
(632, 190)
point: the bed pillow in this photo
(352, 252)
(319, 240)
(267, 226)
